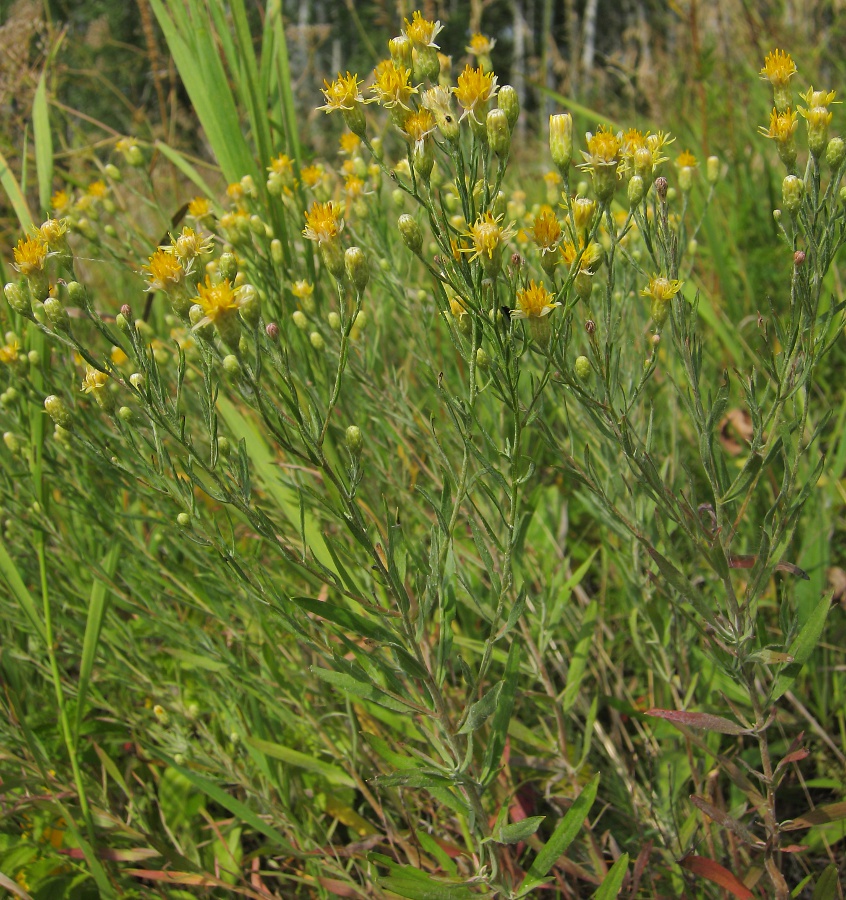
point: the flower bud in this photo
(509, 102)
(223, 446)
(76, 294)
(113, 172)
(58, 411)
(692, 247)
(18, 300)
(300, 319)
(582, 368)
(34, 358)
(561, 141)
(231, 365)
(636, 191)
(357, 268)
(316, 341)
(272, 331)
(410, 232)
(799, 258)
(13, 445)
(183, 520)
(792, 193)
(56, 314)
(483, 361)
(354, 440)
(400, 51)
(661, 188)
(590, 326)
(126, 415)
(334, 321)
(712, 170)
(423, 159)
(227, 266)
(121, 322)
(835, 153)
(499, 132)
(136, 379)
(250, 305)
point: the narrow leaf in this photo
(481, 710)
(332, 773)
(613, 881)
(43, 144)
(698, 720)
(714, 872)
(802, 647)
(822, 815)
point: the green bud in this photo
(843, 195)
(333, 258)
(121, 322)
(400, 50)
(499, 132)
(692, 247)
(423, 158)
(483, 361)
(62, 435)
(257, 226)
(300, 319)
(509, 103)
(9, 396)
(583, 368)
(354, 440)
(636, 191)
(183, 520)
(250, 307)
(223, 446)
(231, 365)
(134, 156)
(227, 266)
(334, 321)
(410, 232)
(316, 341)
(76, 294)
(358, 271)
(136, 379)
(56, 314)
(18, 300)
(354, 119)
(686, 178)
(398, 198)
(561, 141)
(126, 415)
(13, 445)
(792, 193)
(276, 253)
(835, 153)
(34, 357)
(113, 172)
(712, 170)
(58, 411)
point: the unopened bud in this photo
(590, 326)
(58, 411)
(792, 193)
(276, 251)
(410, 232)
(334, 321)
(300, 319)
(561, 141)
(583, 368)
(227, 266)
(357, 268)
(316, 340)
(17, 299)
(509, 102)
(34, 357)
(231, 365)
(400, 51)
(661, 187)
(250, 305)
(13, 445)
(636, 191)
(799, 258)
(56, 314)
(113, 172)
(712, 170)
(354, 440)
(136, 379)
(333, 257)
(482, 359)
(835, 153)
(76, 294)
(223, 446)
(499, 132)
(272, 331)
(125, 414)
(183, 520)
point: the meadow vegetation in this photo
(453, 514)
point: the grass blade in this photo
(43, 144)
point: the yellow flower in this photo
(94, 380)
(349, 143)
(53, 231)
(656, 143)
(118, 356)
(164, 271)
(661, 289)
(322, 223)
(199, 207)
(302, 289)
(353, 187)
(782, 126)
(603, 149)
(584, 209)
(686, 160)
(218, 300)
(456, 306)
(421, 32)
(778, 69)
(97, 189)
(474, 88)
(60, 201)
(546, 230)
(282, 165)
(392, 86)
(342, 93)
(487, 236)
(235, 191)
(533, 302)
(818, 98)
(419, 125)
(30, 254)
(189, 245)
(9, 353)
(480, 45)
(311, 175)
(589, 257)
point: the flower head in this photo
(60, 201)
(778, 69)
(322, 223)
(474, 88)
(188, 245)
(546, 230)
(818, 98)
(199, 208)
(164, 270)
(342, 93)
(312, 175)
(487, 236)
(31, 254)
(218, 301)
(481, 45)
(782, 126)
(302, 289)
(686, 160)
(97, 189)
(533, 302)
(421, 32)
(661, 289)
(588, 256)
(392, 86)
(94, 380)
(419, 125)
(9, 352)
(603, 149)
(53, 231)
(349, 143)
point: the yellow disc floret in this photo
(533, 302)
(322, 223)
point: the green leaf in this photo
(502, 714)
(333, 774)
(366, 690)
(613, 881)
(578, 664)
(43, 144)
(802, 647)
(561, 838)
(826, 886)
(481, 710)
(13, 579)
(15, 194)
(518, 831)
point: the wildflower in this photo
(322, 223)
(535, 303)
(686, 164)
(312, 175)
(303, 291)
(602, 160)
(481, 47)
(280, 175)
(422, 33)
(561, 141)
(10, 352)
(31, 255)
(53, 231)
(343, 94)
(553, 190)
(164, 271)
(488, 236)
(588, 256)
(818, 118)
(661, 291)
(60, 202)
(419, 127)
(199, 208)
(349, 143)
(94, 380)
(474, 90)
(782, 129)
(584, 210)
(189, 245)
(546, 233)
(393, 89)
(118, 356)
(97, 190)
(438, 100)
(778, 69)
(220, 304)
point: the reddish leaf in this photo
(822, 815)
(713, 871)
(698, 720)
(722, 818)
